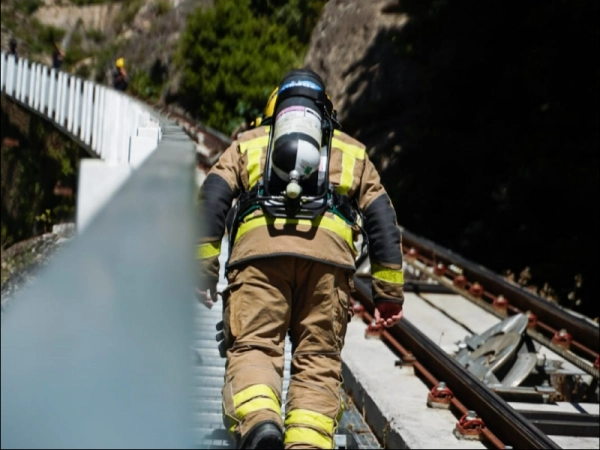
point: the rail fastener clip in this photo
(440, 396)
(531, 320)
(476, 290)
(373, 330)
(500, 303)
(439, 269)
(469, 427)
(562, 338)
(459, 281)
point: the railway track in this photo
(574, 338)
(483, 410)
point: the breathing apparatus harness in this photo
(289, 203)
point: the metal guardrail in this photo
(97, 351)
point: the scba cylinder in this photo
(297, 130)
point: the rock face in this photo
(353, 49)
(97, 17)
(94, 34)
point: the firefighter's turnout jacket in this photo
(328, 238)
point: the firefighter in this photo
(57, 57)
(301, 185)
(12, 48)
(120, 80)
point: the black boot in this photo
(264, 435)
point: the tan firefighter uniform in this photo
(293, 274)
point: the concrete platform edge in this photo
(382, 427)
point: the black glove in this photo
(220, 337)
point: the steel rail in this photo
(511, 427)
(577, 361)
(408, 358)
(561, 423)
(550, 318)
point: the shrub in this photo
(231, 57)
(28, 6)
(162, 7)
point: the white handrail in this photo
(78, 106)
(104, 121)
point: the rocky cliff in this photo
(353, 50)
(479, 117)
(92, 34)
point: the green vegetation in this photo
(76, 51)
(128, 11)
(162, 7)
(94, 35)
(47, 35)
(28, 6)
(36, 158)
(104, 58)
(146, 85)
(91, 2)
(233, 55)
(38, 38)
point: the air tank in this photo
(297, 133)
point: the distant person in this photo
(57, 57)
(119, 76)
(12, 48)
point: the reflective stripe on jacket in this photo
(327, 238)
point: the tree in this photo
(231, 58)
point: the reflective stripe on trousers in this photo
(249, 400)
(307, 427)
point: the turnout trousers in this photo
(264, 300)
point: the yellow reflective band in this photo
(256, 390)
(254, 174)
(254, 147)
(341, 412)
(390, 275)
(253, 398)
(349, 149)
(260, 142)
(350, 153)
(347, 174)
(334, 224)
(231, 422)
(312, 418)
(307, 436)
(256, 404)
(209, 250)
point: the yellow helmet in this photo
(120, 63)
(270, 108)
